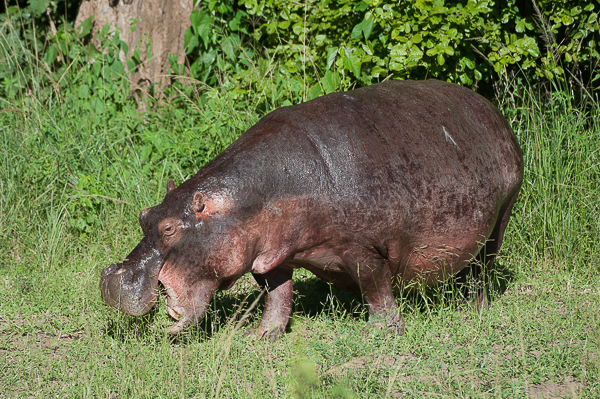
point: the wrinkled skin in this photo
(370, 190)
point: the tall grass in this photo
(556, 222)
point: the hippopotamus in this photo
(371, 190)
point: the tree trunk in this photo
(164, 21)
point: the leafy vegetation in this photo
(336, 45)
(78, 161)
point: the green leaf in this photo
(124, 47)
(568, 57)
(98, 105)
(187, 38)
(97, 67)
(567, 19)
(314, 92)
(209, 57)
(145, 152)
(38, 7)
(131, 65)
(295, 85)
(234, 24)
(239, 26)
(192, 44)
(201, 24)
(361, 6)
(357, 31)
(377, 72)
(117, 69)
(365, 28)
(84, 92)
(417, 38)
(440, 59)
(86, 27)
(468, 62)
(352, 63)
(464, 79)
(331, 81)
(332, 52)
(51, 54)
(230, 45)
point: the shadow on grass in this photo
(500, 278)
(313, 298)
(459, 292)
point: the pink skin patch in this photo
(175, 290)
(433, 261)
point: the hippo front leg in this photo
(278, 302)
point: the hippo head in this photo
(192, 244)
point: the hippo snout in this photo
(132, 286)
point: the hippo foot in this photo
(481, 303)
(390, 322)
(176, 328)
(262, 333)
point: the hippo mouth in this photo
(186, 303)
(173, 288)
(132, 287)
(174, 309)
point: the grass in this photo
(75, 172)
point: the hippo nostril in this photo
(109, 270)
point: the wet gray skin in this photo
(132, 286)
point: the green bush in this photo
(460, 41)
(311, 47)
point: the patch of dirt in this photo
(6, 324)
(551, 389)
(55, 342)
(527, 288)
(42, 340)
(369, 361)
(19, 351)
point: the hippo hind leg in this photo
(481, 266)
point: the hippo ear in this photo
(170, 186)
(204, 206)
(198, 202)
